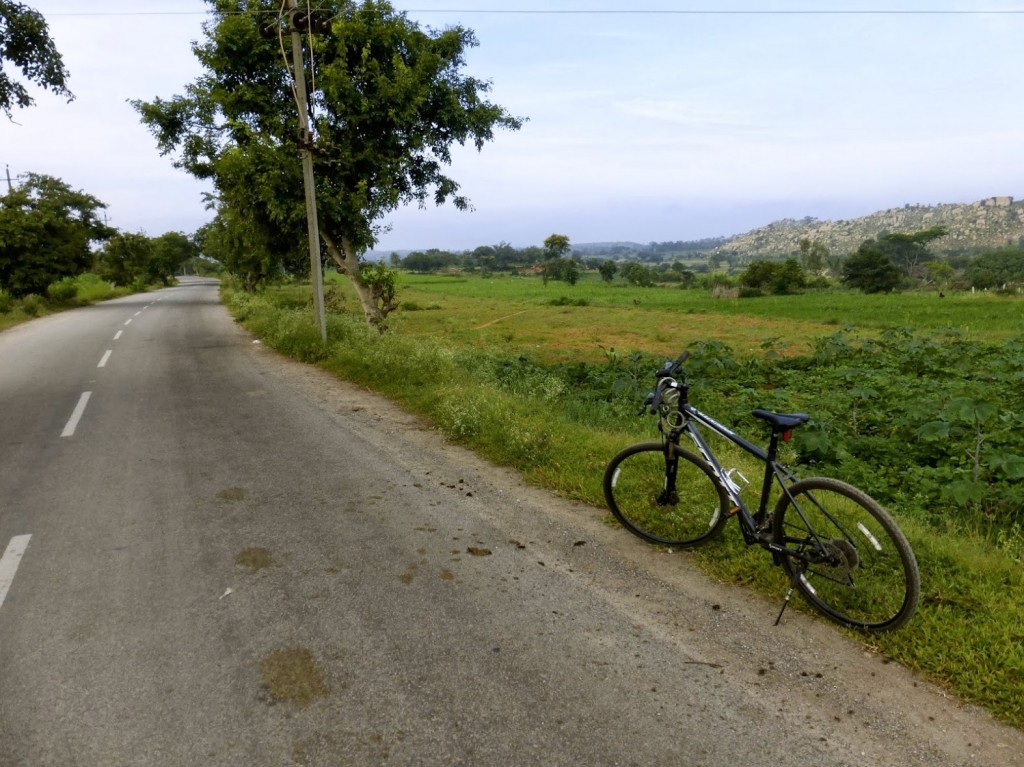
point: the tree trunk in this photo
(348, 262)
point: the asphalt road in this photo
(214, 556)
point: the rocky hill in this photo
(992, 223)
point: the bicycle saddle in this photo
(782, 421)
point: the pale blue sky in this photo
(643, 125)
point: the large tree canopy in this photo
(909, 250)
(390, 101)
(871, 269)
(25, 42)
(46, 233)
(128, 258)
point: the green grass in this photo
(87, 289)
(456, 368)
(558, 321)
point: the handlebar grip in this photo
(671, 368)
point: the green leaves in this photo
(871, 269)
(388, 101)
(25, 42)
(46, 232)
(1008, 465)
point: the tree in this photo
(556, 246)
(775, 278)
(871, 270)
(432, 260)
(170, 251)
(997, 269)
(505, 256)
(25, 42)
(813, 255)
(125, 258)
(485, 258)
(564, 269)
(940, 273)
(908, 251)
(637, 274)
(608, 269)
(556, 267)
(46, 233)
(390, 102)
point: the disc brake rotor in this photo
(844, 556)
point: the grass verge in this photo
(970, 628)
(69, 293)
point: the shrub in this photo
(63, 291)
(334, 299)
(32, 305)
(566, 301)
(6, 302)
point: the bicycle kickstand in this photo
(785, 604)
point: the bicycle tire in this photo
(869, 578)
(686, 515)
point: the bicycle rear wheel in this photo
(859, 568)
(683, 513)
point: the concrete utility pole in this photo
(306, 144)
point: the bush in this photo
(32, 305)
(6, 302)
(63, 291)
(334, 299)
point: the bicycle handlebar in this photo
(670, 368)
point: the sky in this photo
(648, 120)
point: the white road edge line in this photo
(9, 563)
(105, 358)
(76, 416)
(117, 335)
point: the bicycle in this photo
(840, 549)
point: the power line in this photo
(590, 12)
(640, 12)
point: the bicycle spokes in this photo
(844, 553)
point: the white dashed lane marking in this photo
(105, 358)
(76, 416)
(9, 563)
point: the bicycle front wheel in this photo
(850, 560)
(665, 495)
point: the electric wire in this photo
(604, 12)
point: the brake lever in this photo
(648, 402)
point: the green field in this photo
(517, 313)
(915, 398)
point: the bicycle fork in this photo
(669, 494)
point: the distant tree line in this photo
(891, 261)
(50, 232)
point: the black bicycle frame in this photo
(751, 525)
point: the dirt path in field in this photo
(500, 319)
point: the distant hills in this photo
(995, 222)
(992, 223)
